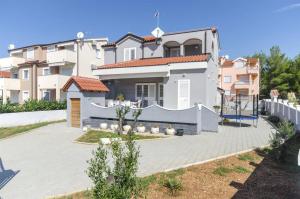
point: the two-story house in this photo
(239, 76)
(175, 70)
(47, 67)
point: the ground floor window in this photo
(46, 95)
(146, 92)
(161, 94)
(25, 95)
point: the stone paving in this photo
(50, 163)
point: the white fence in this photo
(24, 118)
(284, 110)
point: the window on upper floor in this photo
(46, 71)
(192, 47)
(30, 53)
(51, 48)
(98, 54)
(129, 54)
(25, 74)
(227, 79)
(171, 49)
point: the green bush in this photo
(174, 185)
(33, 105)
(284, 132)
(274, 119)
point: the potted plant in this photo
(114, 127)
(120, 97)
(155, 129)
(141, 128)
(86, 128)
(126, 128)
(103, 125)
(170, 130)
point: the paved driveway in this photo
(49, 163)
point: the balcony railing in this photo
(9, 84)
(56, 81)
(241, 85)
(247, 70)
(61, 57)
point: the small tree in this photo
(121, 181)
(121, 113)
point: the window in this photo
(161, 94)
(227, 79)
(46, 95)
(26, 74)
(51, 48)
(98, 54)
(25, 96)
(129, 54)
(46, 71)
(15, 76)
(174, 52)
(30, 53)
(146, 92)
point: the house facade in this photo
(45, 68)
(239, 76)
(176, 70)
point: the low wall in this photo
(24, 118)
(193, 120)
(284, 110)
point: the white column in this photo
(57, 95)
(273, 105)
(4, 96)
(181, 50)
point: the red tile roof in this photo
(86, 84)
(4, 74)
(250, 62)
(157, 61)
(149, 38)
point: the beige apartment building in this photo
(45, 68)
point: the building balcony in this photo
(241, 85)
(56, 81)
(253, 70)
(61, 57)
(9, 84)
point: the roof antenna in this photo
(157, 32)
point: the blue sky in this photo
(245, 26)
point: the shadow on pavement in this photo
(5, 175)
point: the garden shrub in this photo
(174, 185)
(278, 140)
(274, 119)
(32, 105)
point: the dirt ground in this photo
(260, 178)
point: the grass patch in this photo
(240, 169)
(245, 157)
(93, 136)
(10, 131)
(222, 171)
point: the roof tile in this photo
(86, 84)
(157, 61)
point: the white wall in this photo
(284, 110)
(24, 118)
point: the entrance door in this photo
(183, 94)
(75, 112)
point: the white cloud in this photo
(289, 7)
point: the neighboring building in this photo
(45, 68)
(239, 76)
(176, 70)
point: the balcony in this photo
(61, 57)
(242, 85)
(52, 81)
(253, 70)
(9, 84)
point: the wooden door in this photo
(75, 112)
